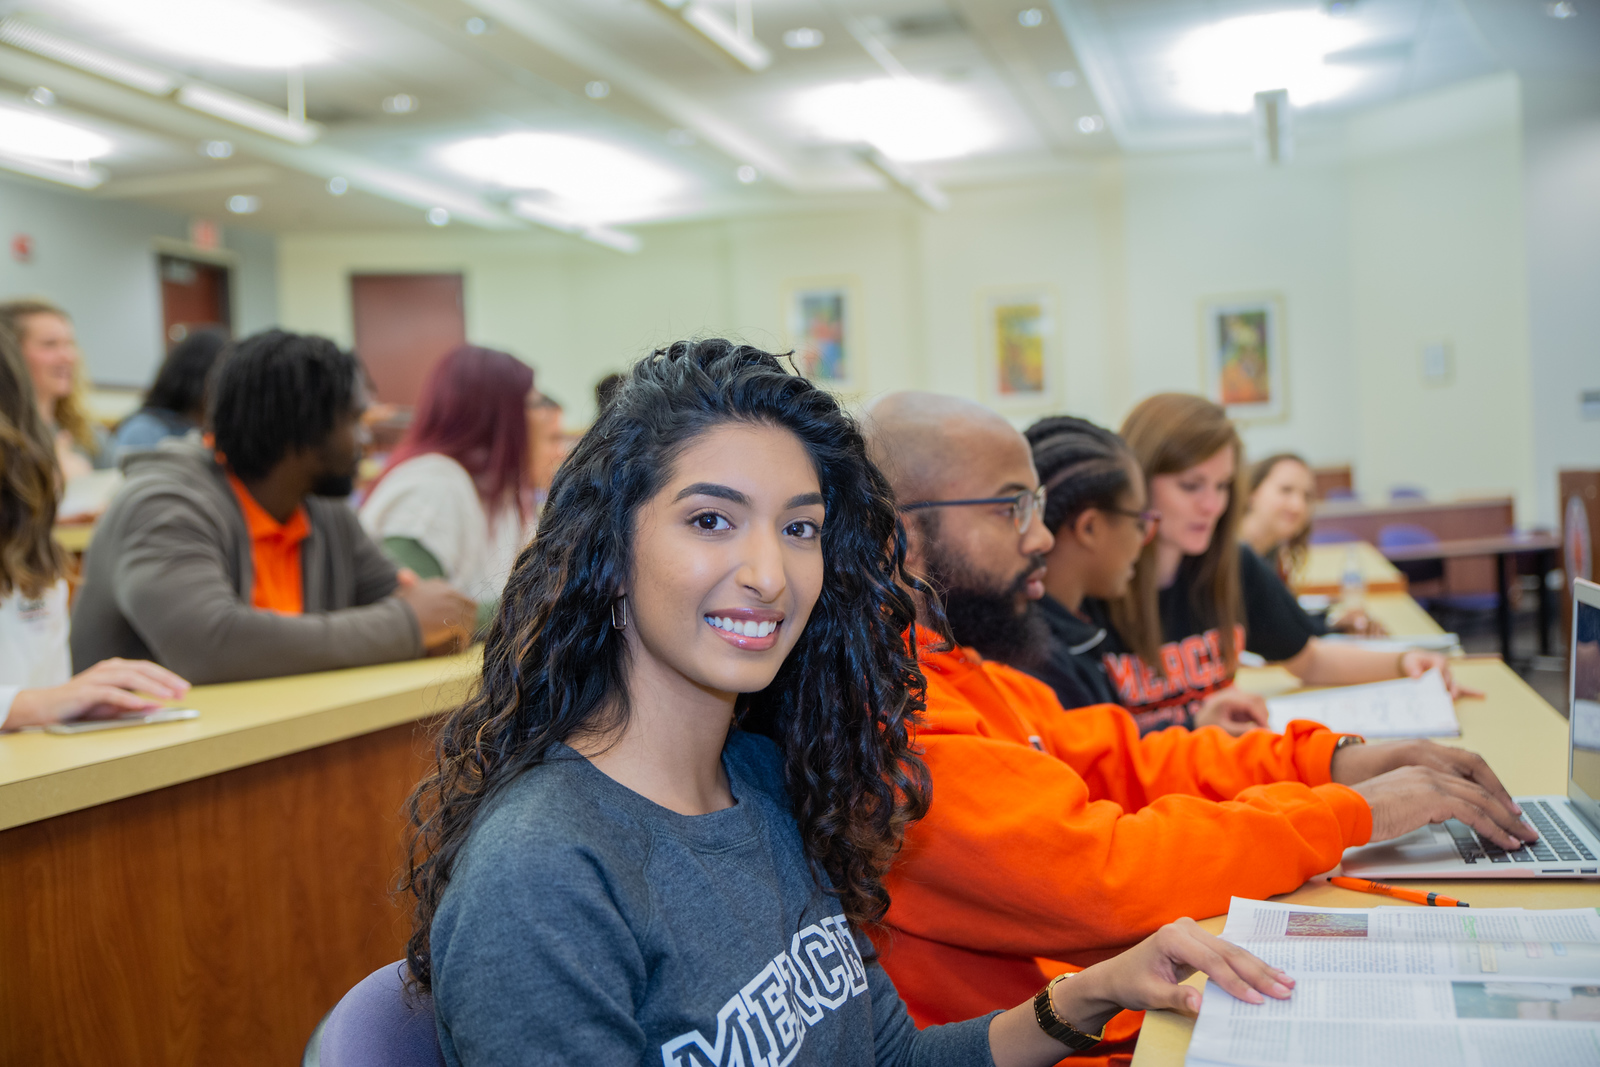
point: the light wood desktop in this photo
(202, 892)
(73, 536)
(1516, 730)
(1322, 572)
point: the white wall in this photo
(1562, 188)
(1436, 255)
(1403, 228)
(97, 259)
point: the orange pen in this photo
(1416, 896)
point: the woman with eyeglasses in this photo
(1198, 596)
(1098, 509)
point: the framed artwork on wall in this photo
(1243, 356)
(820, 319)
(1019, 339)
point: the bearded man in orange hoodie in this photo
(1057, 837)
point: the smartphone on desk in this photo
(83, 726)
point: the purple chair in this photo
(1331, 535)
(1406, 492)
(377, 1024)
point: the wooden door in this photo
(194, 296)
(403, 324)
(1578, 492)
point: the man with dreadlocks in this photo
(1058, 835)
(242, 560)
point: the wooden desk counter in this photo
(1322, 573)
(1525, 741)
(73, 536)
(202, 892)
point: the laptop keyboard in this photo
(1556, 840)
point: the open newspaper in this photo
(1410, 987)
(1407, 707)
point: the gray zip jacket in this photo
(168, 577)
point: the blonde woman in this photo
(49, 347)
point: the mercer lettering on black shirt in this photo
(1274, 627)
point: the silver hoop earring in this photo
(619, 621)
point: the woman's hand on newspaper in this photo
(1150, 975)
(1233, 709)
(1419, 661)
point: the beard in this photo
(340, 485)
(999, 621)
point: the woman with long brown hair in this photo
(1277, 526)
(653, 834)
(36, 683)
(1198, 596)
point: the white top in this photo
(431, 499)
(33, 643)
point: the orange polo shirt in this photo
(274, 554)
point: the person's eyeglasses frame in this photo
(1148, 520)
(1024, 505)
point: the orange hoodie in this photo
(1064, 835)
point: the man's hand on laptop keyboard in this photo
(1409, 798)
(1357, 763)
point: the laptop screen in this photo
(1584, 789)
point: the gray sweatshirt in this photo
(168, 578)
(586, 925)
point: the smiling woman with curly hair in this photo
(653, 833)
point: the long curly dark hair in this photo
(841, 707)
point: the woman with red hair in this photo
(453, 500)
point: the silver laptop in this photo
(1569, 826)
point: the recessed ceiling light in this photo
(216, 149)
(597, 90)
(904, 118)
(338, 186)
(1091, 124)
(747, 174)
(41, 96)
(244, 205)
(801, 38)
(595, 179)
(680, 137)
(1220, 67)
(1561, 10)
(26, 133)
(1030, 17)
(1062, 79)
(400, 104)
(246, 33)
(438, 216)
(476, 26)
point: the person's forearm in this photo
(1015, 1039)
(1332, 663)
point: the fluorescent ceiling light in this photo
(246, 112)
(33, 136)
(43, 43)
(1220, 68)
(80, 175)
(905, 119)
(546, 214)
(246, 33)
(595, 181)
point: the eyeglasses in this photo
(1148, 520)
(1023, 506)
